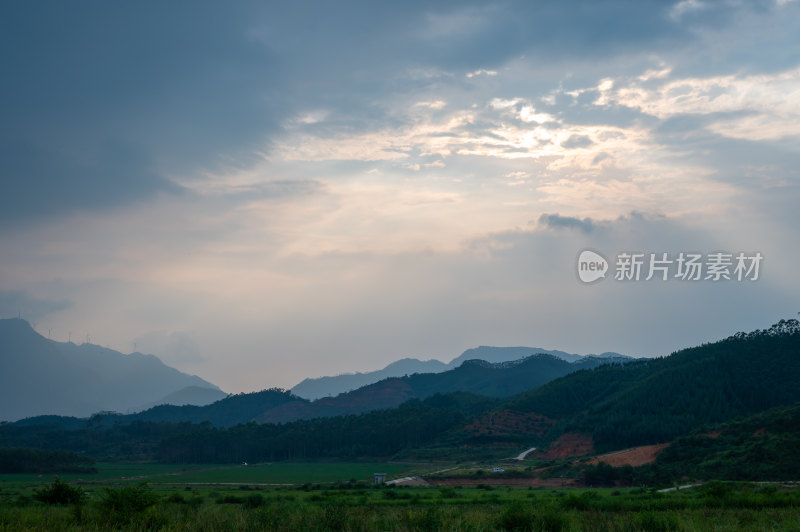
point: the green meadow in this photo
(340, 496)
(275, 474)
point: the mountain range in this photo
(40, 376)
(498, 380)
(502, 379)
(316, 388)
(82, 380)
(726, 409)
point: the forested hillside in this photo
(381, 433)
(653, 401)
(765, 446)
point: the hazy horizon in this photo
(259, 193)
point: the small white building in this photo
(380, 478)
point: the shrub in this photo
(584, 501)
(253, 501)
(448, 493)
(122, 505)
(176, 498)
(653, 522)
(59, 492)
(551, 520)
(230, 499)
(516, 516)
(427, 519)
(335, 516)
(717, 490)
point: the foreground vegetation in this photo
(359, 506)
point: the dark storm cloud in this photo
(103, 102)
(41, 181)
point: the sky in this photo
(259, 192)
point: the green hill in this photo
(765, 446)
(657, 400)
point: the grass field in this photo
(280, 473)
(323, 497)
(276, 473)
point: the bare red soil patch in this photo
(635, 456)
(568, 445)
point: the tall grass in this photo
(725, 507)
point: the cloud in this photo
(17, 303)
(98, 116)
(314, 186)
(687, 6)
(96, 127)
(555, 221)
(40, 183)
(481, 72)
(173, 348)
(577, 141)
(438, 104)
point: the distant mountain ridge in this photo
(510, 354)
(41, 376)
(502, 379)
(316, 388)
(86, 379)
(477, 377)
